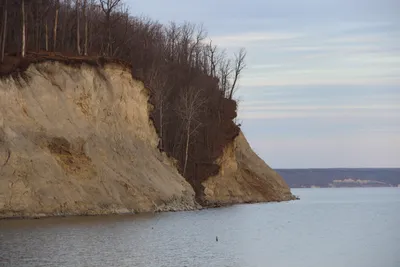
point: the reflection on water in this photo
(327, 227)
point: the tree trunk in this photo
(37, 23)
(78, 38)
(108, 35)
(85, 47)
(55, 27)
(233, 87)
(46, 36)
(23, 28)
(3, 43)
(161, 125)
(186, 149)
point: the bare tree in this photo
(55, 25)
(108, 6)
(200, 36)
(23, 21)
(224, 74)
(4, 35)
(78, 38)
(186, 35)
(85, 16)
(65, 31)
(212, 56)
(158, 86)
(122, 38)
(205, 64)
(37, 24)
(239, 66)
(191, 102)
(172, 33)
(46, 27)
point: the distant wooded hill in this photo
(341, 177)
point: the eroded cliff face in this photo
(77, 140)
(244, 177)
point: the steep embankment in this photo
(244, 177)
(77, 140)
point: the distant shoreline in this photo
(338, 187)
(341, 177)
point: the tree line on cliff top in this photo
(192, 81)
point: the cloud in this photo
(312, 57)
(258, 103)
(343, 115)
(330, 151)
(287, 79)
(329, 102)
(267, 106)
(359, 48)
(291, 110)
(247, 38)
(351, 26)
(388, 59)
(267, 66)
(346, 39)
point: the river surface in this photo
(355, 227)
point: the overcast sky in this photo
(322, 87)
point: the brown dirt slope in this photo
(78, 140)
(244, 177)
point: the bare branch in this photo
(191, 104)
(239, 66)
(4, 33)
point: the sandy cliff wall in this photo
(77, 140)
(244, 177)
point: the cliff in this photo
(244, 177)
(78, 140)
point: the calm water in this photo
(326, 228)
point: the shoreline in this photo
(41, 216)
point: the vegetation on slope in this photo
(192, 82)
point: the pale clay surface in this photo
(244, 177)
(77, 141)
(80, 142)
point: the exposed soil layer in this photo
(78, 140)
